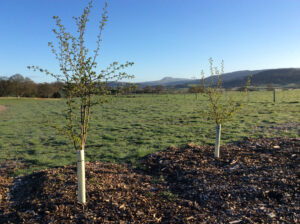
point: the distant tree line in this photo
(19, 86)
(196, 89)
(151, 89)
(134, 89)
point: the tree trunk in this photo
(218, 141)
(248, 94)
(81, 176)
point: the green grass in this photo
(129, 128)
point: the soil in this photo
(2, 108)
(254, 181)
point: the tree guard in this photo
(218, 141)
(81, 176)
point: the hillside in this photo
(226, 77)
(166, 81)
(279, 77)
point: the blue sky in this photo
(163, 37)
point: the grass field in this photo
(131, 127)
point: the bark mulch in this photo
(254, 181)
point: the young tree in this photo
(159, 89)
(17, 84)
(84, 85)
(4, 86)
(147, 89)
(221, 108)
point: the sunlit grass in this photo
(131, 127)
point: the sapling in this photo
(247, 87)
(221, 108)
(271, 87)
(84, 85)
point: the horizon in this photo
(248, 35)
(160, 79)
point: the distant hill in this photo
(278, 77)
(227, 77)
(238, 75)
(166, 81)
(180, 82)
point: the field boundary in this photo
(26, 98)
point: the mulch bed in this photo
(254, 181)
